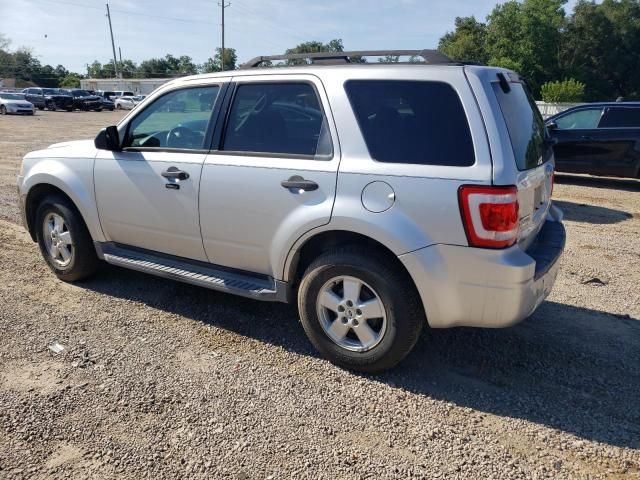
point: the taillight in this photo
(490, 215)
(553, 182)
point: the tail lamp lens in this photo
(490, 215)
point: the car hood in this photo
(80, 144)
(58, 96)
(73, 149)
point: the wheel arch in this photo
(35, 196)
(43, 187)
(315, 245)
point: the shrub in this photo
(569, 91)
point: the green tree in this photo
(563, 91)
(334, 45)
(72, 80)
(601, 47)
(214, 64)
(389, 59)
(467, 42)
(527, 35)
(94, 70)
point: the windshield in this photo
(80, 93)
(51, 91)
(12, 96)
(525, 125)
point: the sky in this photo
(74, 33)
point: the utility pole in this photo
(222, 52)
(113, 44)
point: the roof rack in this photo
(333, 58)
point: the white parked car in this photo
(120, 93)
(15, 103)
(128, 102)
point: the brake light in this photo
(490, 215)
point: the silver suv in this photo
(379, 197)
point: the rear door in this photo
(532, 153)
(619, 141)
(579, 144)
(271, 175)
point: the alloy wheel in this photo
(57, 239)
(351, 313)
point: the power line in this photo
(131, 12)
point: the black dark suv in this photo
(50, 98)
(598, 139)
(83, 100)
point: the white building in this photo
(139, 86)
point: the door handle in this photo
(296, 182)
(173, 172)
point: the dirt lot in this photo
(165, 380)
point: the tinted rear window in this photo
(525, 125)
(620, 117)
(412, 122)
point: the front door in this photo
(577, 135)
(273, 175)
(147, 194)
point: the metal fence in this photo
(549, 109)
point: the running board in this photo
(194, 272)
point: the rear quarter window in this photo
(416, 122)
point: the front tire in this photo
(3, 110)
(51, 106)
(64, 240)
(359, 313)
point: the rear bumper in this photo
(474, 287)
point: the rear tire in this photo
(40, 108)
(64, 240)
(51, 106)
(367, 328)
(3, 110)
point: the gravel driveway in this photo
(164, 380)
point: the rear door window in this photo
(525, 125)
(584, 119)
(620, 117)
(278, 119)
(417, 122)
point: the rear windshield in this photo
(525, 125)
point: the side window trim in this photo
(233, 90)
(210, 126)
(563, 114)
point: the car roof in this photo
(311, 69)
(583, 106)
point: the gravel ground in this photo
(164, 380)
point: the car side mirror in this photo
(108, 139)
(552, 126)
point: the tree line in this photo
(595, 48)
